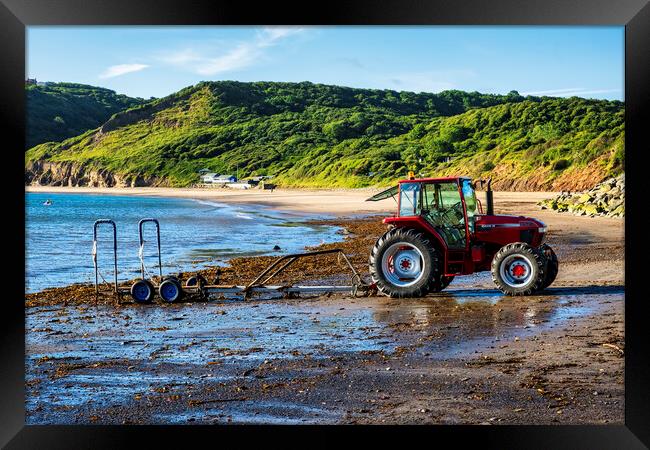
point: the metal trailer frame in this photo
(256, 286)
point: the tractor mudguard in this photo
(418, 223)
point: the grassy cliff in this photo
(312, 135)
(57, 111)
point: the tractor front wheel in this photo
(403, 263)
(518, 269)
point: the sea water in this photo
(193, 234)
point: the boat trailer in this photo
(171, 290)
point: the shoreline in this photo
(583, 262)
(338, 202)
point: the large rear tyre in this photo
(518, 269)
(442, 283)
(403, 263)
(446, 281)
(552, 265)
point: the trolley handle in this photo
(95, 226)
(141, 235)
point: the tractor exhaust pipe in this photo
(489, 198)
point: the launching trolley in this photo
(170, 289)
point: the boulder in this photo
(605, 199)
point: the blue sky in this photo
(157, 61)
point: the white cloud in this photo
(551, 91)
(181, 57)
(243, 54)
(270, 35)
(570, 92)
(429, 81)
(121, 69)
(598, 91)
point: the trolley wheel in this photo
(197, 280)
(170, 290)
(142, 291)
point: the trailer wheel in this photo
(196, 281)
(142, 291)
(552, 265)
(403, 263)
(170, 290)
(518, 269)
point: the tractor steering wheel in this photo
(452, 216)
(457, 208)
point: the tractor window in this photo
(409, 195)
(470, 202)
(444, 210)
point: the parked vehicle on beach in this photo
(440, 231)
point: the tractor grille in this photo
(526, 236)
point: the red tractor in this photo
(440, 231)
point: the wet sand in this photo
(467, 355)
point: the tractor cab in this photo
(449, 205)
(440, 231)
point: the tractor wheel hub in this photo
(518, 270)
(402, 264)
(405, 264)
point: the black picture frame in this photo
(16, 15)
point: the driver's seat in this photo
(444, 223)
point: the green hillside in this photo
(314, 135)
(57, 111)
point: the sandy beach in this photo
(327, 201)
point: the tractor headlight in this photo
(542, 229)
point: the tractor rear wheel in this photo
(518, 269)
(442, 283)
(446, 281)
(403, 263)
(552, 265)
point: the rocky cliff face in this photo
(605, 199)
(41, 173)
